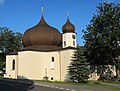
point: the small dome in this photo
(42, 34)
(68, 27)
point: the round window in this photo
(73, 36)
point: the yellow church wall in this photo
(29, 64)
(36, 65)
(54, 72)
(66, 57)
(11, 73)
(108, 69)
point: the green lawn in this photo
(1, 76)
(101, 84)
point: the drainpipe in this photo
(17, 62)
(60, 64)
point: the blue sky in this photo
(19, 15)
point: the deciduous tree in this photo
(102, 35)
(9, 42)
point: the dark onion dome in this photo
(68, 27)
(42, 34)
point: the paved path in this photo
(11, 85)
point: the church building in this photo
(46, 54)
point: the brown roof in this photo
(42, 34)
(42, 48)
(68, 27)
(45, 48)
(12, 53)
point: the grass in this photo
(105, 84)
(100, 84)
(1, 76)
(114, 82)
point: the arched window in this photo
(52, 63)
(73, 43)
(64, 43)
(52, 59)
(13, 64)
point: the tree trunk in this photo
(118, 71)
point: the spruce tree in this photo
(78, 68)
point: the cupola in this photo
(42, 34)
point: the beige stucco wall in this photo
(67, 37)
(66, 57)
(95, 75)
(24, 69)
(9, 72)
(36, 65)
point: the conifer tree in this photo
(78, 69)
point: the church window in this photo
(13, 64)
(73, 36)
(73, 43)
(64, 43)
(52, 60)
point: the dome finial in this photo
(68, 15)
(68, 26)
(42, 10)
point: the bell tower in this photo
(69, 35)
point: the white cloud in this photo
(2, 2)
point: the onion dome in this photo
(68, 27)
(42, 34)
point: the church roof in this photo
(45, 48)
(42, 34)
(68, 27)
(13, 53)
(41, 48)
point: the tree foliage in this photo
(78, 69)
(102, 35)
(9, 42)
